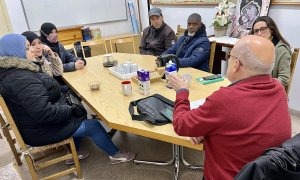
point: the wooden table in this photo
(112, 107)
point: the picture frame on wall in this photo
(286, 2)
(247, 11)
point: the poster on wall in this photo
(246, 13)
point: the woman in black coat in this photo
(41, 112)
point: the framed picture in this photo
(246, 13)
(291, 2)
(184, 2)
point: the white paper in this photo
(196, 104)
(224, 40)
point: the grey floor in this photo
(97, 166)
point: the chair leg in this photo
(31, 167)
(12, 145)
(75, 157)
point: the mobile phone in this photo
(167, 113)
(215, 76)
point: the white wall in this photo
(19, 25)
(283, 15)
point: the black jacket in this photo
(156, 41)
(276, 163)
(34, 99)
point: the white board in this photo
(73, 12)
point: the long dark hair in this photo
(271, 25)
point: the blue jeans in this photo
(93, 129)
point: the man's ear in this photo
(236, 66)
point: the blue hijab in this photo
(13, 45)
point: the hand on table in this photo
(79, 64)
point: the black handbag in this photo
(77, 108)
(154, 109)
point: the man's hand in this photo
(177, 83)
(79, 64)
(48, 50)
(197, 140)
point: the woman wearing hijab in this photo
(42, 115)
(49, 37)
(48, 61)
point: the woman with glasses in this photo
(265, 26)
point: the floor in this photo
(96, 166)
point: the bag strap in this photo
(146, 117)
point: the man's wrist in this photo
(181, 89)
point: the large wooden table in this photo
(112, 107)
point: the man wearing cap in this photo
(157, 37)
(193, 48)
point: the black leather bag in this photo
(77, 108)
(150, 109)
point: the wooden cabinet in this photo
(69, 35)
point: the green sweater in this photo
(281, 69)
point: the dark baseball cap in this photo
(155, 12)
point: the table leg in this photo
(177, 156)
(186, 164)
(157, 162)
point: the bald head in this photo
(256, 53)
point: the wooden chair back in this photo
(180, 31)
(293, 66)
(93, 43)
(71, 46)
(213, 45)
(28, 151)
(114, 42)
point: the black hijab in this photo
(46, 29)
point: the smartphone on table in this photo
(211, 77)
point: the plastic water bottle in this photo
(171, 68)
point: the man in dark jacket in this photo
(157, 37)
(193, 48)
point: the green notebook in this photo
(204, 82)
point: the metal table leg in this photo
(167, 163)
(177, 156)
(186, 164)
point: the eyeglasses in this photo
(262, 30)
(228, 55)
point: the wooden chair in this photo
(71, 46)
(180, 31)
(11, 141)
(115, 42)
(293, 66)
(93, 43)
(213, 45)
(29, 152)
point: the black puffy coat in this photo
(34, 99)
(275, 164)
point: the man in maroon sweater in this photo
(240, 121)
